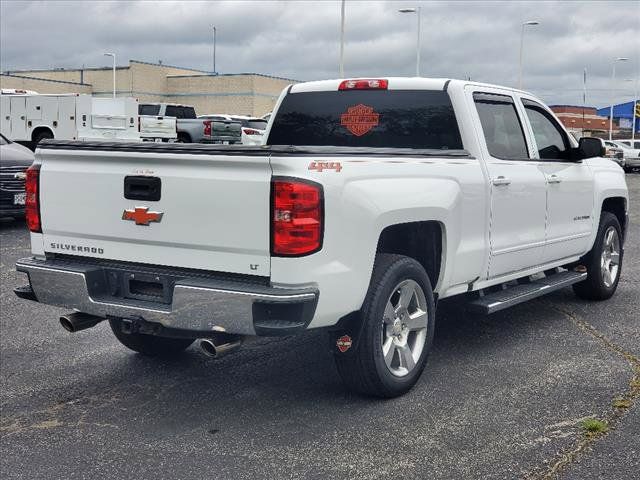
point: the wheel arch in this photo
(422, 240)
(39, 130)
(618, 207)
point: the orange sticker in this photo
(359, 119)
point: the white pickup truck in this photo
(372, 199)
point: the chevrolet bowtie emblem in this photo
(142, 215)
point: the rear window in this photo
(421, 119)
(148, 109)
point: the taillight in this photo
(138, 124)
(364, 84)
(207, 127)
(250, 131)
(32, 200)
(296, 217)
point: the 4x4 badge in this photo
(142, 215)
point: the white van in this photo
(34, 117)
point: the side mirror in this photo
(589, 147)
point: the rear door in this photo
(211, 211)
(517, 188)
(66, 128)
(569, 186)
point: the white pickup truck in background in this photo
(371, 200)
(30, 118)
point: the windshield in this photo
(422, 119)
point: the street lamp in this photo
(528, 23)
(114, 71)
(633, 109)
(613, 79)
(342, 40)
(214, 50)
(415, 10)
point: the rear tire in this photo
(150, 345)
(396, 337)
(603, 262)
(183, 138)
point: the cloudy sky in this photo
(300, 39)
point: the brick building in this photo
(581, 119)
(240, 94)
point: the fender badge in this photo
(142, 215)
(344, 343)
(320, 166)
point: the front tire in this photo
(149, 345)
(603, 262)
(397, 334)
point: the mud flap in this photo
(344, 337)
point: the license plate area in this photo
(149, 288)
(19, 198)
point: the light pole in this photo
(633, 109)
(528, 23)
(214, 50)
(415, 10)
(342, 40)
(114, 71)
(613, 79)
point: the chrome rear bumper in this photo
(199, 304)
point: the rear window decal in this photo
(359, 119)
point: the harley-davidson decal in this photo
(344, 343)
(359, 119)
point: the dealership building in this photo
(238, 93)
(623, 115)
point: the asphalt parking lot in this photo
(502, 397)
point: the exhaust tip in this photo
(208, 347)
(67, 324)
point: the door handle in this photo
(554, 179)
(501, 180)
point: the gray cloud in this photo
(300, 39)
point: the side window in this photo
(173, 111)
(188, 112)
(551, 141)
(501, 126)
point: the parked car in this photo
(371, 199)
(154, 127)
(252, 128)
(614, 152)
(14, 161)
(221, 129)
(30, 118)
(189, 128)
(635, 144)
(631, 155)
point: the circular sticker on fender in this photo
(344, 343)
(360, 119)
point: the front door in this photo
(569, 186)
(517, 187)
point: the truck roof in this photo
(394, 83)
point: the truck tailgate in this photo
(214, 206)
